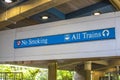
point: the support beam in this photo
(116, 3)
(112, 64)
(101, 62)
(115, 62)
(23, 9)
(69, 64)
(27, 9)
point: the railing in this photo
(11, 76)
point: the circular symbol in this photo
(18, 43)
(105, 33)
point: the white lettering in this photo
(76, 36)
(73, 37)
(37, 41)
(24, 42)
(91, 35)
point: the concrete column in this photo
(87, 67)
(52, 71)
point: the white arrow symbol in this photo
(105, 33)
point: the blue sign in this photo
(91, 35)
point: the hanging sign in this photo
(91, 35)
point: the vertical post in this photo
(87, 67)
(117, 72)
(52, 71)
(109, 76)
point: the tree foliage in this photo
(34, 73)
(64, 75)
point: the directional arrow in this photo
(105, 33)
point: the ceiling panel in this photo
(23, 23)
(61, 10)
(74, 5)
(103, 7)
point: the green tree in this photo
(43, 75)
(35, 73)
(4, 68)
(30, 74)
(64, 75)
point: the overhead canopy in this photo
(116, 3)
(27, 9)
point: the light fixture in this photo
(9, 1)
(97, 13)
(44, 17)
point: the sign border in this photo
(17, 42)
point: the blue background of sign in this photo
(66, 38)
